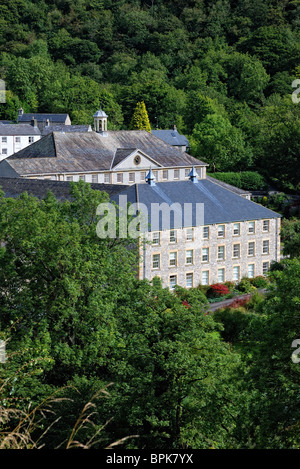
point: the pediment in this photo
(133, 158)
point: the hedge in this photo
(247, 180)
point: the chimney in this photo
(47, 123)
(175, 128)
(21, 111)
(33, 122)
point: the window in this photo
(221, 275)
(107, 178)
(251, 270)
(69, 178)
(4, 139)
(81, 178)
(189, 256)
(205, 232)
(221, 231)
(173, 236)
(189, 280)
(266, 246)
(173, 259)
(143, 175)
(156, 238)
(236, 229)
(176, 173)
(236, 250)
(165, 174)
(131, 177)
(155, 261)
(265, 267)
(4, 151)
(251, 249)
(18, 139)
(30, 139)
(221, 252)
(190, 234)
(119, 177)
(205, 277)
(205, 254)
(251, 227)
(266, 225)
(173, 281)
(155, 174)
(187, 172)
(236, 273)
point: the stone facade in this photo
(231, 255)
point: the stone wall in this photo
(182, 245)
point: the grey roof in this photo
(89, 151)
(220, 205)
(172, 137)
(66, 128)
(18, 129)
(41, 117)
(14, 187)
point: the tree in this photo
(59, 278)
(273, 373)
(220, 144)
(140, 120)
(290, 234)
(173, 375)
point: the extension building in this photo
(231, 238)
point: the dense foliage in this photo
(221, 71)
(86, 338)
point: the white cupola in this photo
(100, 122)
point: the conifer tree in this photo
(140, 119)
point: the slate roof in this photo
(89, 151)
(66, 128)
(41, 117)
(172, 137)
(14, 187)
(18, 129)
(220, 205)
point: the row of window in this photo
(94, 178)
(205, 254)
(221, 275)
(165, 174)
(221, 231)
(18, 139)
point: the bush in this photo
(235, 323)
(230, 285)
(245, 285)
(217, 290)
(259, 281)
(247, 180)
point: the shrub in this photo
(247, 180)
(245, 285)
(230, 285)
(239, 303)
(235, 323)
(217, 290)
(259, 281)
